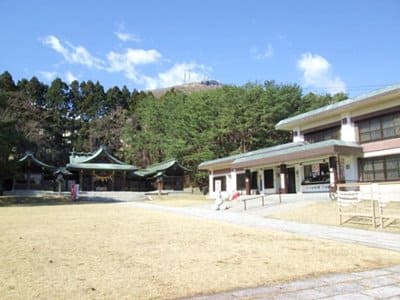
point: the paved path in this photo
(375, 284)
(356, 236)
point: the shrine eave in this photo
(101, 166)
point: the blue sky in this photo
(324, 46)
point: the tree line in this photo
(139, 128)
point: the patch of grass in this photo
(116, 251)
(326, 213)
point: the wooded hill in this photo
(139, 128)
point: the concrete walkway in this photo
(375, 284)
(375, 239)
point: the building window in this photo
(316, 173)
(379, 128)
(269, 179)
(240, 182)
(223, 182)
(253, 182)
(380, 169)
(332, 133)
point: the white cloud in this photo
(262, 54)
(47, 76)
(73, 54)
(69, 77)
(317, 73)
(178, 74)
(127, 37)
(127, 61)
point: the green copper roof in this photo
(101, 166)
(219, 161)
(88, 157)
(30, 157)
(230, 159)
(278, 152)
(296, 148)
(159, 167)
(84, 161)
(345, 104)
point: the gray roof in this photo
(339, 106)
(285, 151)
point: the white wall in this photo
(233, 182)
(210, 184)
(299, 137)
(348, 130)
(350, 168)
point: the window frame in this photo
(381, 132)
(269, 174)
(329, 133)
(373, 164)
(322, 176)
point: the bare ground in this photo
(117, 251)
(326, 213)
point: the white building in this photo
(356, 139)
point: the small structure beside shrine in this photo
(166, 175)
(33, 174)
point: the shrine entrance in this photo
(102, 180)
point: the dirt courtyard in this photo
(117, 251)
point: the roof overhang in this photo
(102, 166)
(285, 153)
(298, 154)
(340, 107)
(217, 164)
(160, 167)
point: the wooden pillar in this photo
(284, 182)
(333, 171)
(123, 181)
(14, 181)
(59, 181)
(81, 180)
(92, 181)
(248, 182)
(28, 186)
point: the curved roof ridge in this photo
(98, 152)
(160, 166)
(30, 155)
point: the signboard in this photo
(315, 168)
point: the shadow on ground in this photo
(55, 200)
